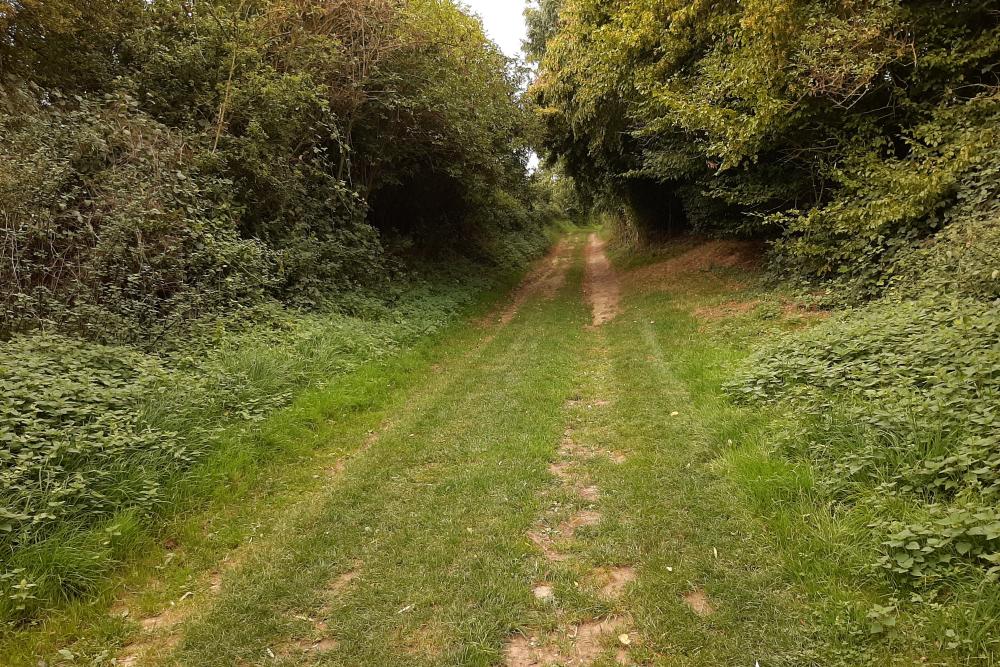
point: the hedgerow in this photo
(206, 158)
(206, 208)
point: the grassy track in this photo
(541, 491)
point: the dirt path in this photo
(574, 508)
(601, 286)
(544, 281)
(160, 632)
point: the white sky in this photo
(504, 21)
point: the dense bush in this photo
(850, 130)
(890, 209)
(112, 229)
(202, 158)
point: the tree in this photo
(754, 113)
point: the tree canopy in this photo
(845, 128)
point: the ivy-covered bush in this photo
(890, 209)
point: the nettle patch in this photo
(73, 450)
(67, 425)
(902, 404)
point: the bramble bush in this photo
(111, 229)
(203, 159)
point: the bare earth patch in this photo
(613, 581)
(545, 279)
(724, 311)
(617, 458)
(153, 640)
(582, 519)
(699, 603)
(340, 584)
(324, 645)
(215, 582)
(566, 472)
(544, 593)
(306, 646)
(704, 256)
(570, 448)
(337, 469)
(163, 621)
(601, 285)
(545, 539)
(576, 646)
(562, 470)
(428, 642)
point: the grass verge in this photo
(336, 374)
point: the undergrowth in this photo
(896, 413)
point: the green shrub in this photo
(888, 210)
(113, 229)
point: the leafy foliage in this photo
(902, 399)
(223, 153)
(111, 229)
(847, 129)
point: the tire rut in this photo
(576, 643)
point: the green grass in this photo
(836, 608)
(431, 518)
(336, 374)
